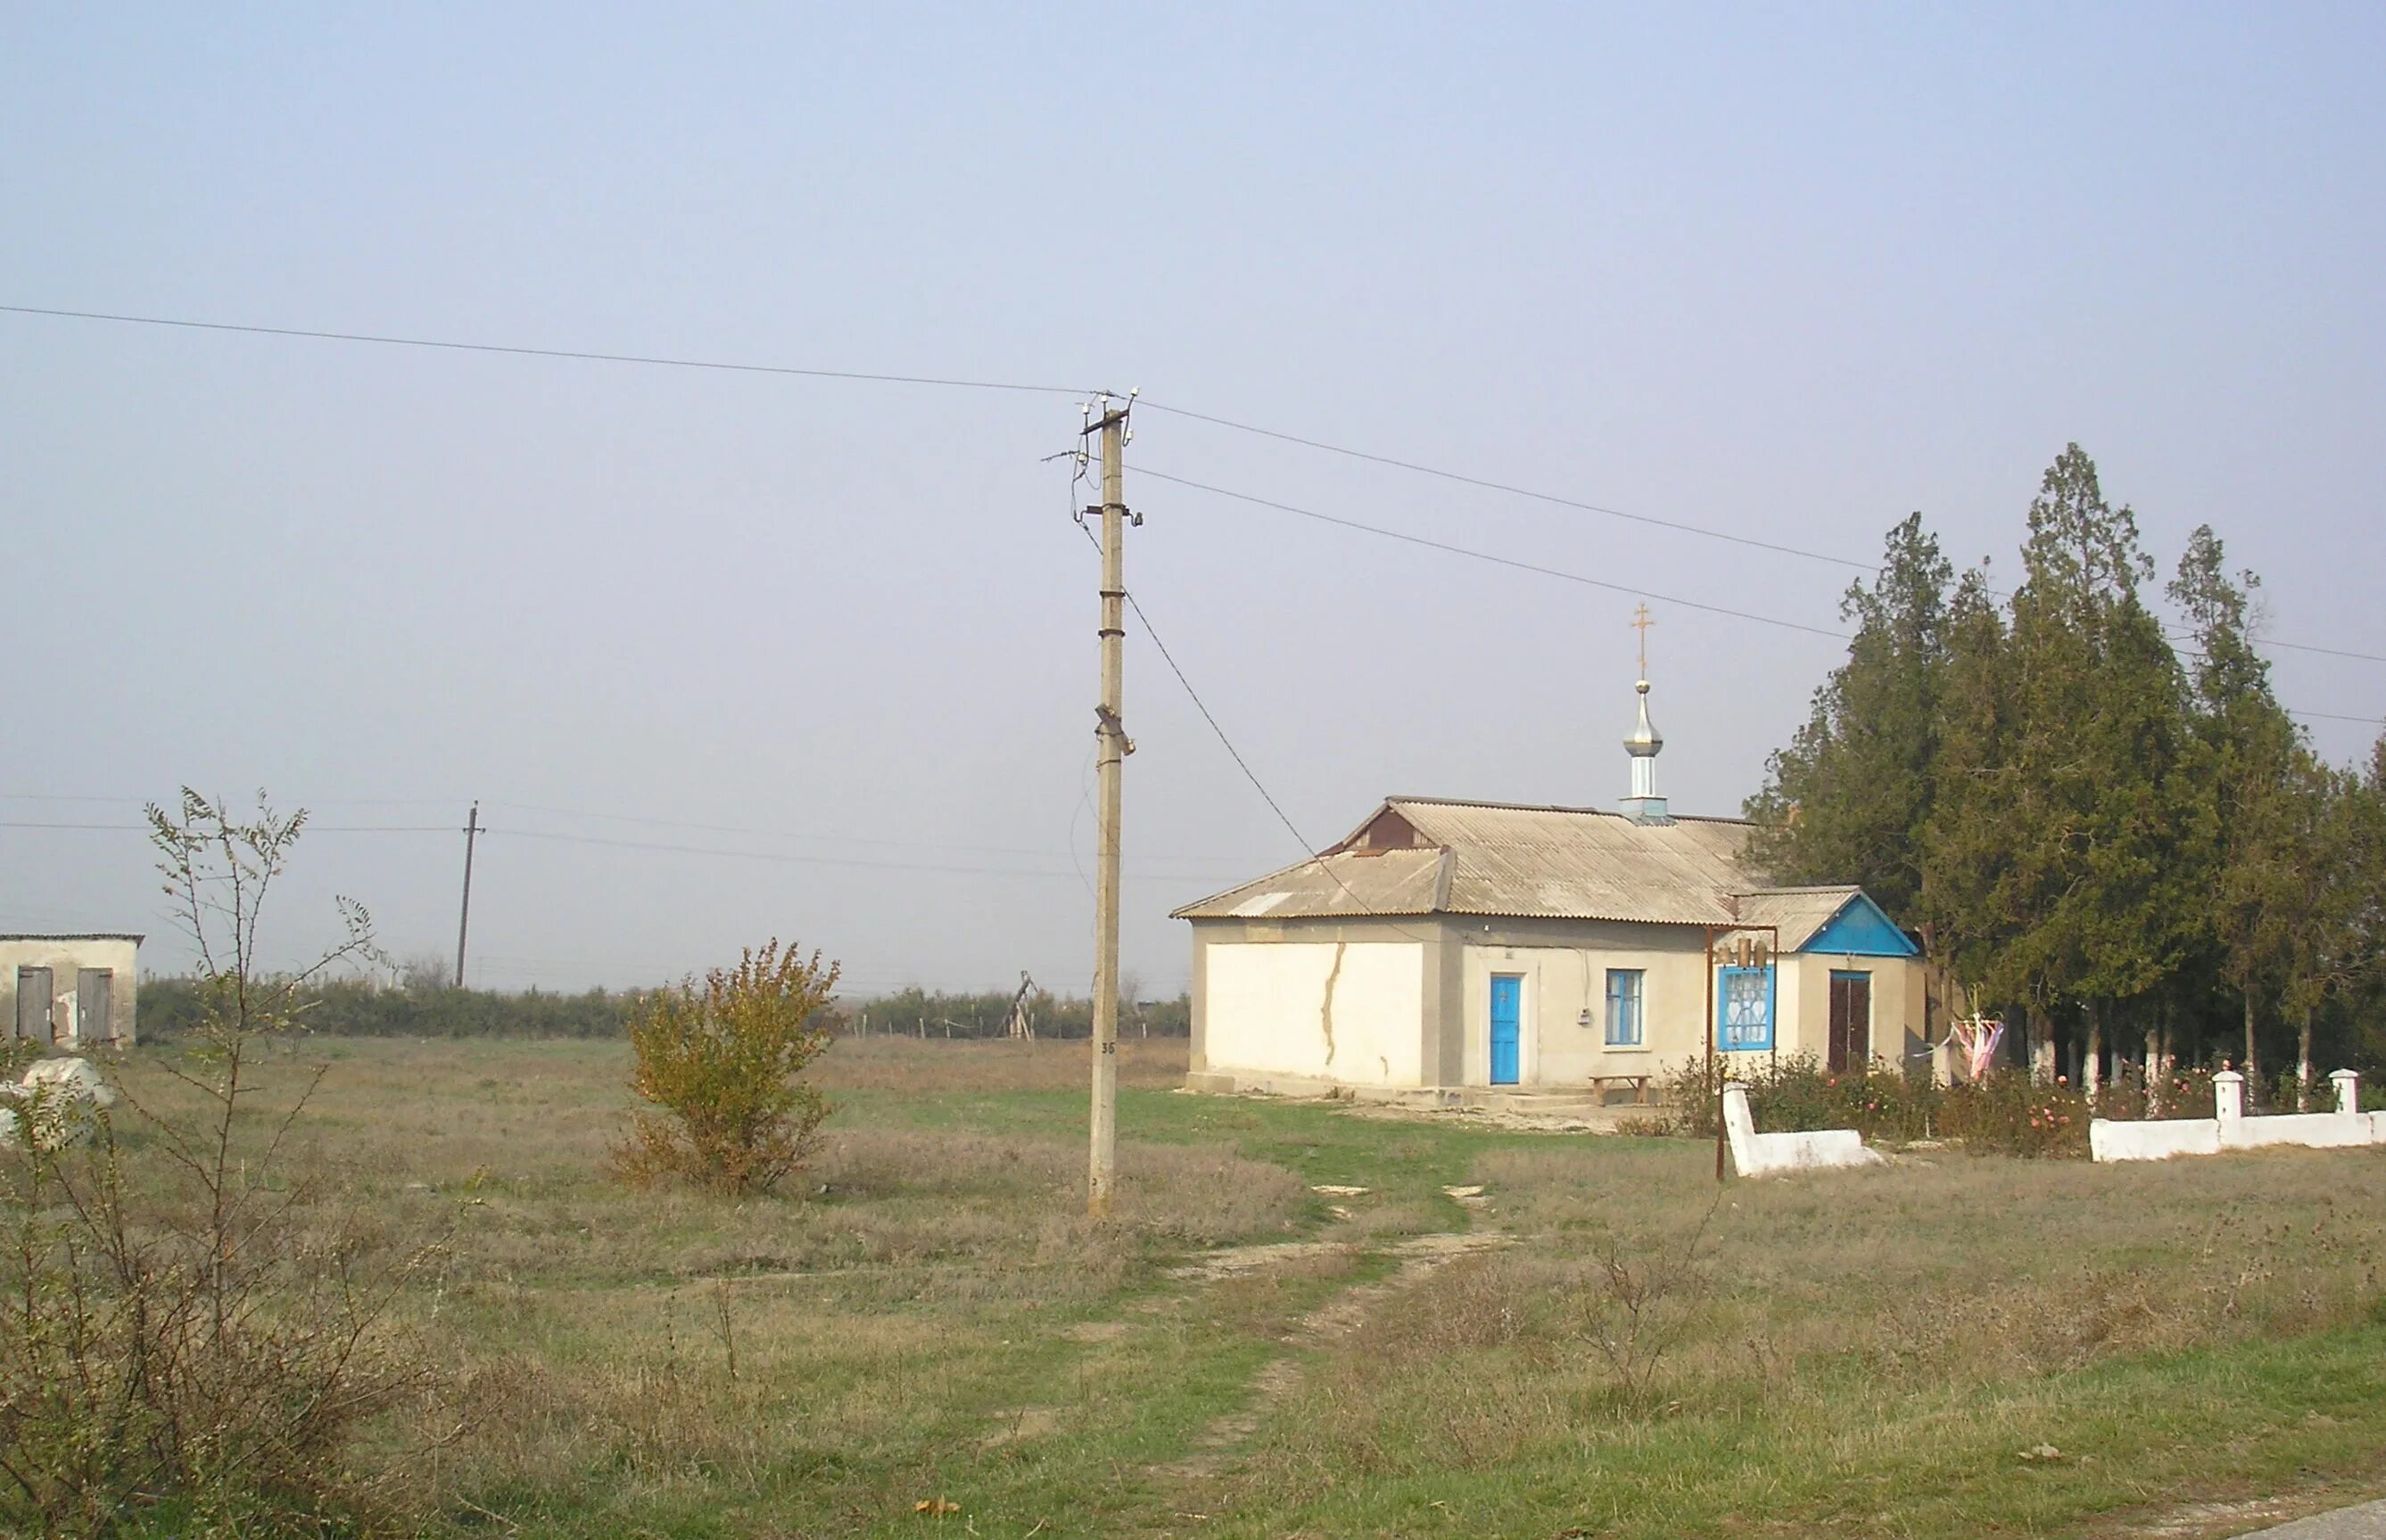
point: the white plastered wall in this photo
(66, 957)
(1804, 1008)
(1343, 1010)
(1557, 1045)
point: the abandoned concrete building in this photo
(1448, 951)
(69, 991)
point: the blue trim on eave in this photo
(1862, 929)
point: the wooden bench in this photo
(1601, 1084)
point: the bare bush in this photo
(1637, 1307)
(171, 1334)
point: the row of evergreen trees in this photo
(173, 1007)
(2106, 837)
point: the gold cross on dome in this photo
(1641, 622)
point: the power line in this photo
(1232, 752)
(130, 828)
(311, 828)
(783, 858)
(308, 802)
(797, 834)
(1414, 466)
(1522, 565)
(575, 354)
(1513, 491)
(792, 859)
(1493, 559)
(1252, 776)
(2325, 651)
(1190, 860)
(1556, 499)
(1229, 743)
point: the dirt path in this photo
(1223, 1440)
(1216, 1448)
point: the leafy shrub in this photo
(720, 1064)
(2001, 1113)
(2184, 1093)
(2004, 1112)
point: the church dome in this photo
(1645, 739)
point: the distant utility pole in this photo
(1112, 747)
(464, 920)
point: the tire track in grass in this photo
(1217, 1448)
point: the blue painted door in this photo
(1507, 1012)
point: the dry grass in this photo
(926, 1312)
(510, 1142)
(2032, 1268)
(588, 1330)
(1864, 1318)
(931, 1066)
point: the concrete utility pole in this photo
(464, 920)
(1112, 747)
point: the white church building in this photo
(1450, 951)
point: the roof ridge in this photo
(1500, 807)
(73, 936)
(1554, 808)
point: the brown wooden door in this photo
(1850, 1021)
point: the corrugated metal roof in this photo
(1339, 884)
(1583, 863)
(1499, 859)
(1506, 861)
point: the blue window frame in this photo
(1744, 1009)
(1624, 987)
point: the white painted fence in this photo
(2228, 1128)
(1755, 1154)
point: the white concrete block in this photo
(2317, 1129)
(1755, 1154)
(2157, 1140)
(58, 1098)
(2229, 1129)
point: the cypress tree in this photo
(1848, 800)
(2246, 749)
(1970, 844)
(2083, 827)
(2096, 753)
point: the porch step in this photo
(1548, 1104)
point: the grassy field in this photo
(1600, 1344)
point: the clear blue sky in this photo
(1786, 275)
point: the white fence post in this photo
(1739, 1128)
(2229, 1129)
